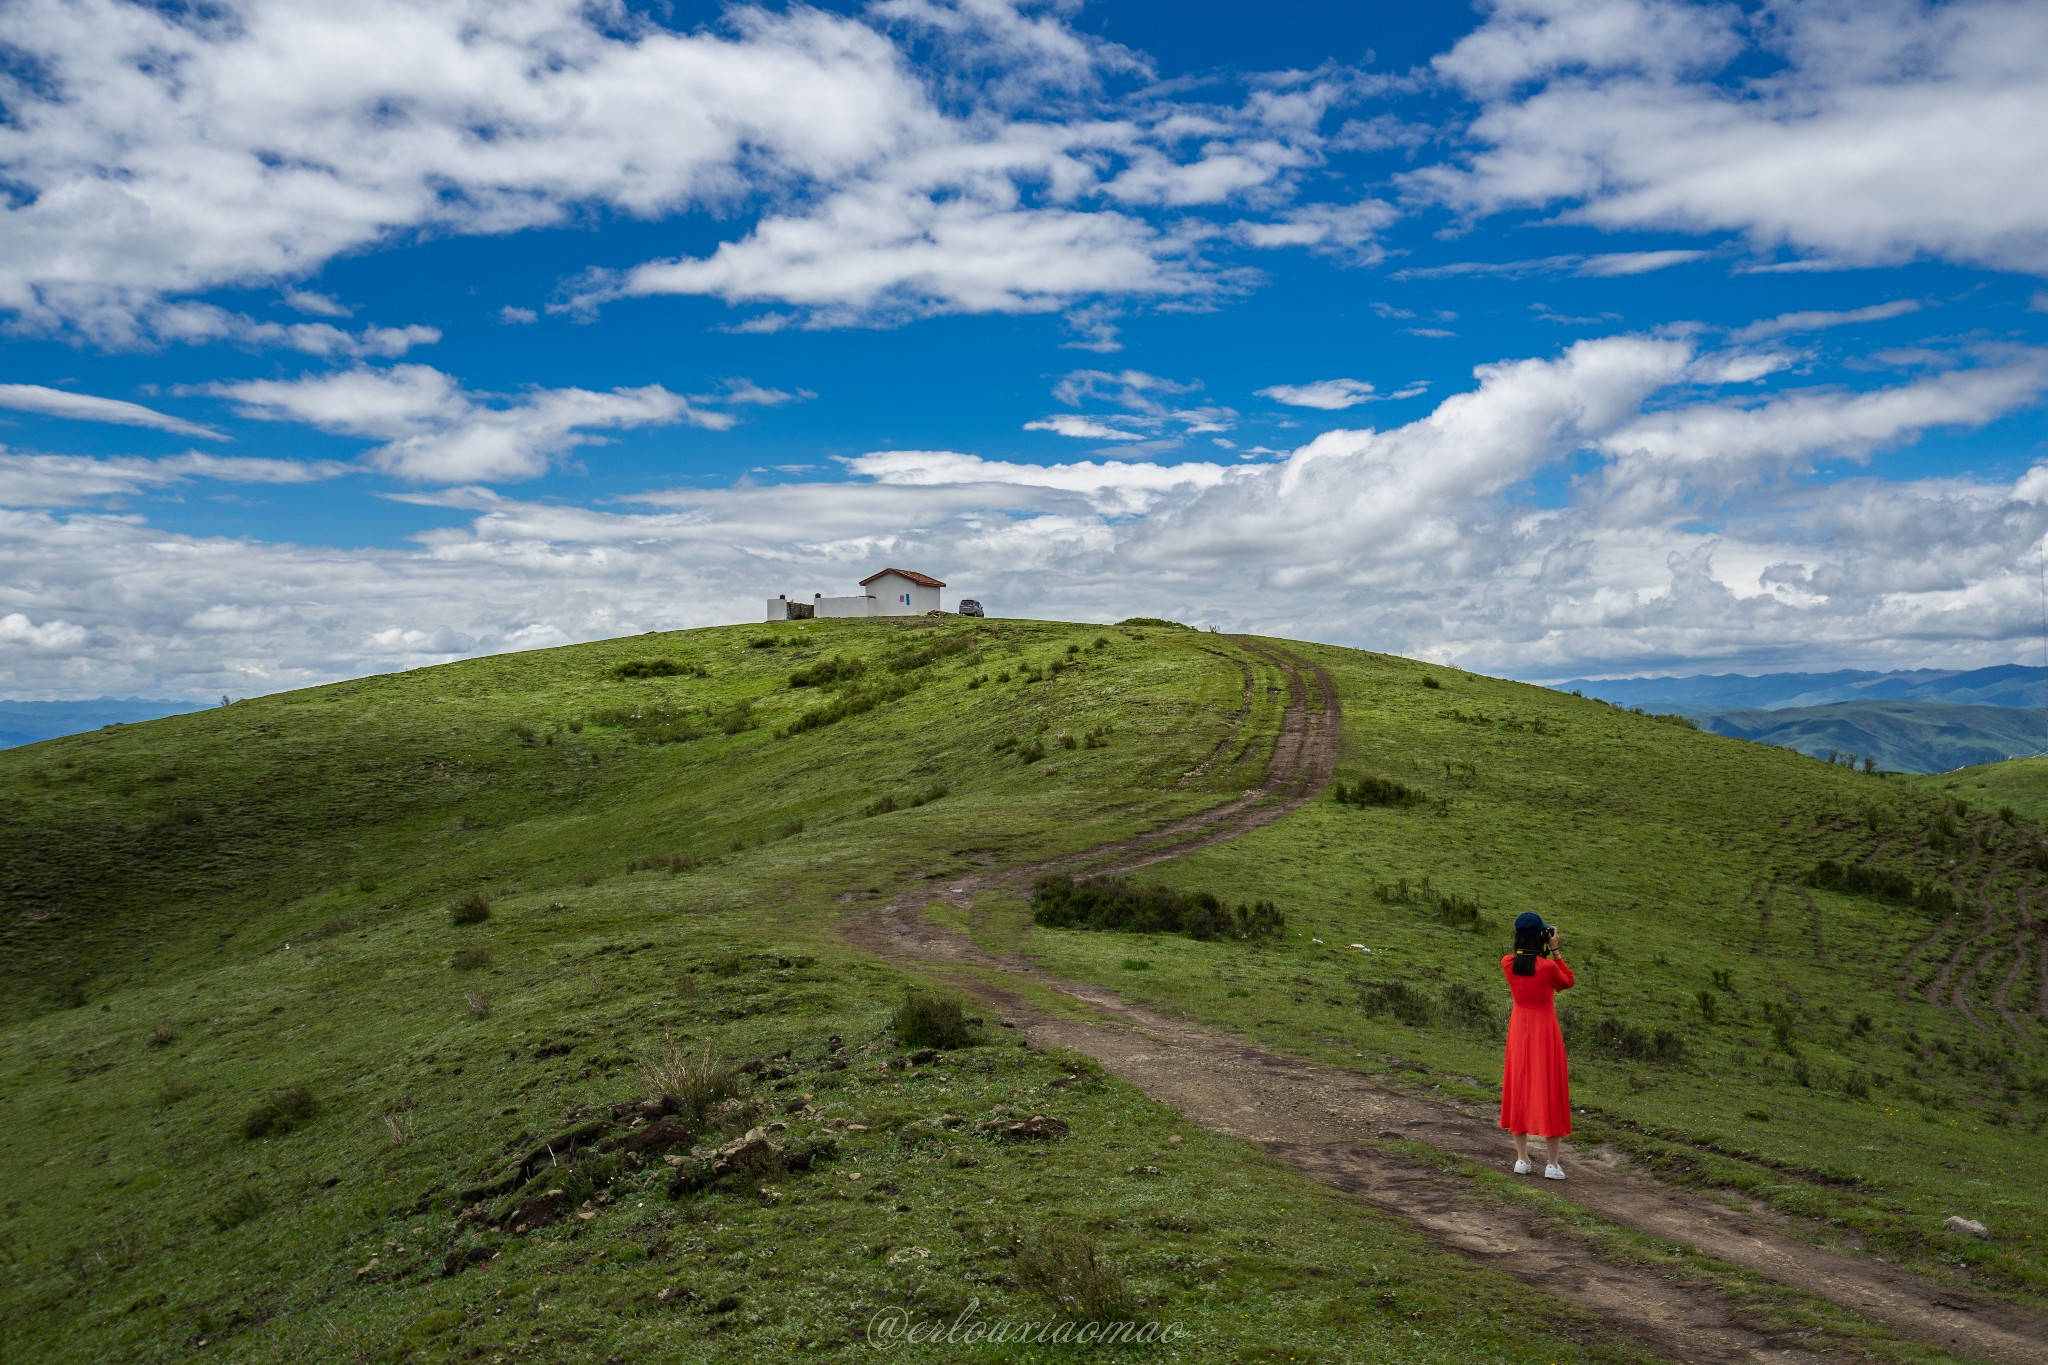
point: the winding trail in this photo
(1335, 1126)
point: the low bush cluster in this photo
(1069, 1269)
(663, 862)
(889, 801)
(856, 702)
(1446, 907)
(1061, 902)
(1623, 1039)
(686, 1084)
(472, 907)
(1882, 883)
(658, 668)
(928, 1019)
(1375, 791)
(281, 1112)
(840, 668)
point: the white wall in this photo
(890, 590)
(848, 606)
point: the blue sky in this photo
(1549, 337)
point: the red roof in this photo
(922, 580)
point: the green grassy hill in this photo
(2019, 785)
(263, 1090)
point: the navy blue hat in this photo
(1529, 919)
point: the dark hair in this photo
(1530, 944)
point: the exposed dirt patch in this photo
(1326, 1122)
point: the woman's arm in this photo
(1564, 974)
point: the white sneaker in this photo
(1522, 1167)
(1553, 1172)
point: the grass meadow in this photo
(427, 1016)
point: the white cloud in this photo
(1872, 133)
(1330, 395)
(1525, 40)
(1132, 389)
(85, 407)
(1601, 265)
(1795, 426)
(1110, 487)
(1636, 262)
(971, 166)
(1419, 539)
(202, 322)
(433, 431)
(320, 305)
(17, 629)
(80, 480)
(1817, 320)
(745, 392)
(1082, 428)
(897, 253)
(517, 317)
(1350, 231)
(186, 154)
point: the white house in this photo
(892, 592)
(902, 592)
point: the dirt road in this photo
(1333, 1125)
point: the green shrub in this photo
(927, 1019)
(656, 862)
(1058, 901)
(472, 959)
(909, 660)
(852, 703)
(1883, 884)
(1446, 907)
(735, 717)
(1069, 1269)
(1471, 1009)
(281, 1112)
(1623, 1039)
(239, 1207)
(658, 668)
(1375, 791)
(827, 672)
(689, 1086)
(1151, 621)
(472, 907)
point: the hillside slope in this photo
(206, 913)
(262, 1090)
(2019, 785)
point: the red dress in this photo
(1535, 1093)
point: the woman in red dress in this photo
(1535, 1092)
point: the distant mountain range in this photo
(27, 722)
(1923, 721)
(1712, 693)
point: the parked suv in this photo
(969, 607)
